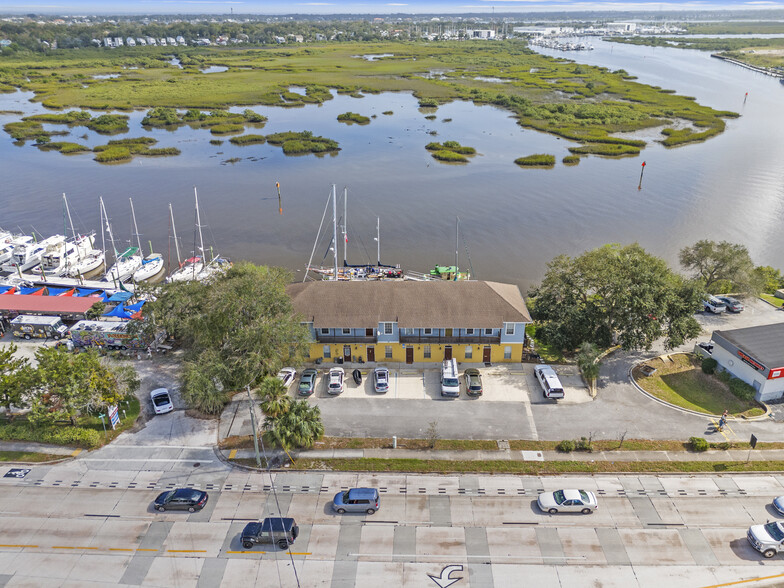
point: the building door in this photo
(447, 332)
(371, 352)
(447, 352)
(486, 354)
(347, 353)
(409, 355)
(368, 332)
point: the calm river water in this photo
(513, 221)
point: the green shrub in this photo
(605, 149)
(134, 141)
(584, 444)
(108, 123)
(388, 112)
(565, 446)
(63, 147)
(698, 444)
(65, 435)
(428, 102)
(741, 389)
(216, 142)
(724, 376)
(538, 159)
(709, 365)
(571, 160)
(112, 154)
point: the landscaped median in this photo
(28, 457)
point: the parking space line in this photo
(233, 453)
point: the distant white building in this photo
(171, 41)
(118, 42)
(280, 39)
(141, 41)
(480, 34)
(181, 40)
(621, 27)
(151, 41)
(130, 41)
(107, 42)
(542, 31)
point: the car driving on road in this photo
(181, 499)
(569, 500)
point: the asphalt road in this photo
(649, 531)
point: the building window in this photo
(469, 352)
(488, 331)
(387, 328)
(510, 328)
(327, 351)
(325, 331)
(346, 331)
(469, 331)
(508, 352)
(388, 351)
(428, 331)
(427, 351)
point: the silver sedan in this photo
(570, 500)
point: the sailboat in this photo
(125, 263)
(152, 266)
(7, 245)
(60, 257)
(197, 268)
(378, 271)
(89, 261)
(451, 272)
(28, 255)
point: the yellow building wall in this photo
(436, 352)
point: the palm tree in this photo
(275, 400)
(299, 426)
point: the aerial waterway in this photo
(513, 220)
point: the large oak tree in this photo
(614, 293)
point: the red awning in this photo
(33, 303)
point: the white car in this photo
(548, 380)
(287, 375)
(714, 305)
(570, 500)
(335, 385)
(161, 401)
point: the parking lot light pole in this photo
(253, 425)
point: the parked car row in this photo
(719, 304)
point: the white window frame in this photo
(327, 351)
(469, 352)
(426, 351)
(469, 331)
(508, 327)
(428, 331)
(508, 352)
(388, 351)
(488, 331)
(346, 331)
(324, 331)
(388, 330)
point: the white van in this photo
(548, 380)
(450, 380)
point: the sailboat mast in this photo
(135, 228)
(174, 231)
(198, 224)
(378, 242)
(345, 223)
(457, 231)
(103, 231)
(335, 230)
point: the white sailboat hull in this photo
(152, 266)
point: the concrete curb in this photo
(686, 410)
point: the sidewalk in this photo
(31, 447)
(509, 455)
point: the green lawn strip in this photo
(29, 457)
(772, 300)
(681, 382)
(533, 467)
(88, 432)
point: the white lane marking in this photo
(162, 446)
(462, 557)
(144, 459)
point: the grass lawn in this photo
(680, 381)
(28, 457)
(772, 299)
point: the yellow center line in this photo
(186, 551)
(62, 547)
(76, 452)
(232, 454)
(259, 552)
(15, 545)
(147, 550)
(120, 549)
(745, 581)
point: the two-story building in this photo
(411, 321)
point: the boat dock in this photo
(763, 70)
(64, 282)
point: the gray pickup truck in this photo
(279, 531)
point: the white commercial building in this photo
(754, 355)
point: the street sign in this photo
(753, 441)
(114, 417)
(16, 473)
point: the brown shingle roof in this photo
(437, 304)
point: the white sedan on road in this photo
(569, 500)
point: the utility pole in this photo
(253, 426)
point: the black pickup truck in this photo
(274, 530)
